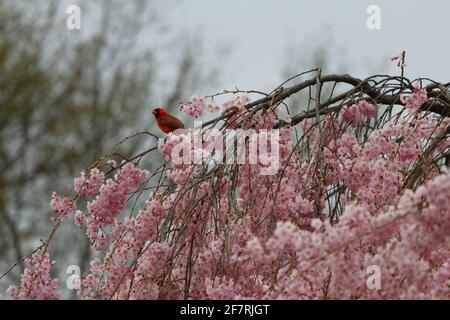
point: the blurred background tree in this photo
(66, 97)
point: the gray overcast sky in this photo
(260, 31)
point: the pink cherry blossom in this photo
(89, 186)
(414, 101)
(354, 191)
(62, 206)
(197, 107)
(36, 281)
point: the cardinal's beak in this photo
(154, 112)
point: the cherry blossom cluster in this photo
(103, 210)
(198, 106)
(89, 186)
(399, 241)
(36, 281)
(416, 99)
(344, 207)
(62, 206)
(357, 113)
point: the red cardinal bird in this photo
(167, 122)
